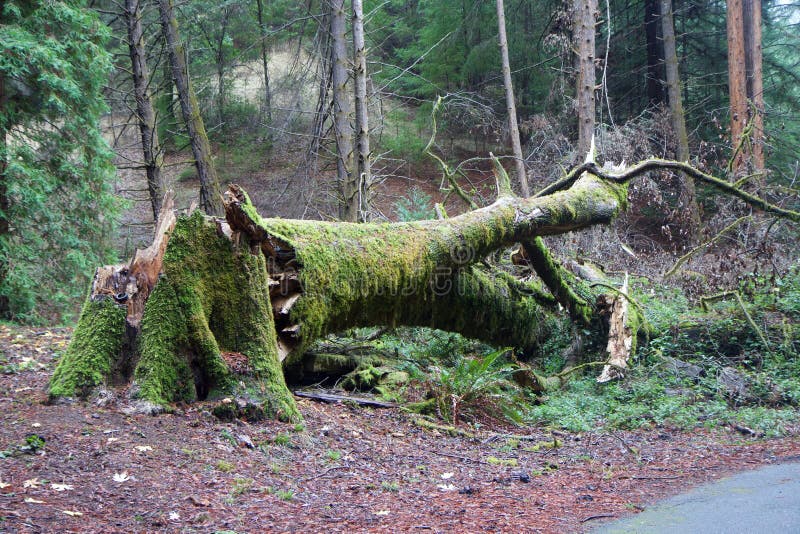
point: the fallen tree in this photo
(219, 307)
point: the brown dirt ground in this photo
(347, 469)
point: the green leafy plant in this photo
(469, 383)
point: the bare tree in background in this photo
(210, 196)
(145, 115)
(342, 128)
(687, 201)
(585, 16)
(751, 15)
(511, 108)
(262, 28)
(363, 171)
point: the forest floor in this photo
(86, 468)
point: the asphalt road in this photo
(763, 501)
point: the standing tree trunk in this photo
(4, 203)
(145, 114)
(655, 53)
(755, 84)
(363, 172)
(343, 129)
(219, 45)
(511, 108)
(165, 111)
(737, 82)
(263, 34)
(210, 196)
(687, 201)
(584, 27)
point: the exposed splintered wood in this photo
(621, 336)
(131, 283)
(282, 306)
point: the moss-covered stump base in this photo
(204, 330)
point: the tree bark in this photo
(210, 196)
(751, 14)
(584, 27)
(263, 34)
(5, 205)
(145, 115)
(511, 107)
(343, 129)
(165, 111)
(687, 201)
(655, 53)
(737, 82)
(363, 171)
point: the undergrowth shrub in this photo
(472, 385)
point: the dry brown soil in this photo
(346, 469)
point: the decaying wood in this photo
(330, 397)
(620, 337)
(131, 283)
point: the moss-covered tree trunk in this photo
(229, 303)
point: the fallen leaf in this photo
(71, 513)
(446, 487)
(143, 448)
(121, 477)
(33, 501)
(62, 487)
(447, 475)
(31, 483)
(381, 512)
(198, 502)
(112, 440)
(3, 485)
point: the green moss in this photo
(97, 342)
(211, 298)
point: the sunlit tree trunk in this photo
(585, 17)
(145, 114)
(510, 106)
(363, 171)
(687, 202)
(210, 196)
(343, 129)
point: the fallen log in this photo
(266, 288)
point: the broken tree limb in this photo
(332, 398)
(654, 164)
